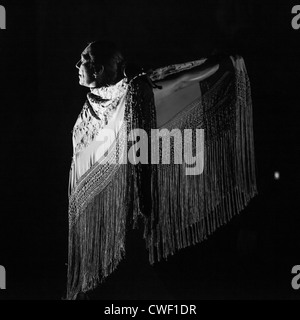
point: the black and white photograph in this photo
(149, 152)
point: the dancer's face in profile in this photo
(88, 76)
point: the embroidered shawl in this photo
(108, 194)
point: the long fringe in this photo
(97, 238)
(193, 207)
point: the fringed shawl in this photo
(107, 197)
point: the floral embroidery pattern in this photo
(96, 112)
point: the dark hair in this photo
(106, 54)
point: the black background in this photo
(252, 256)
